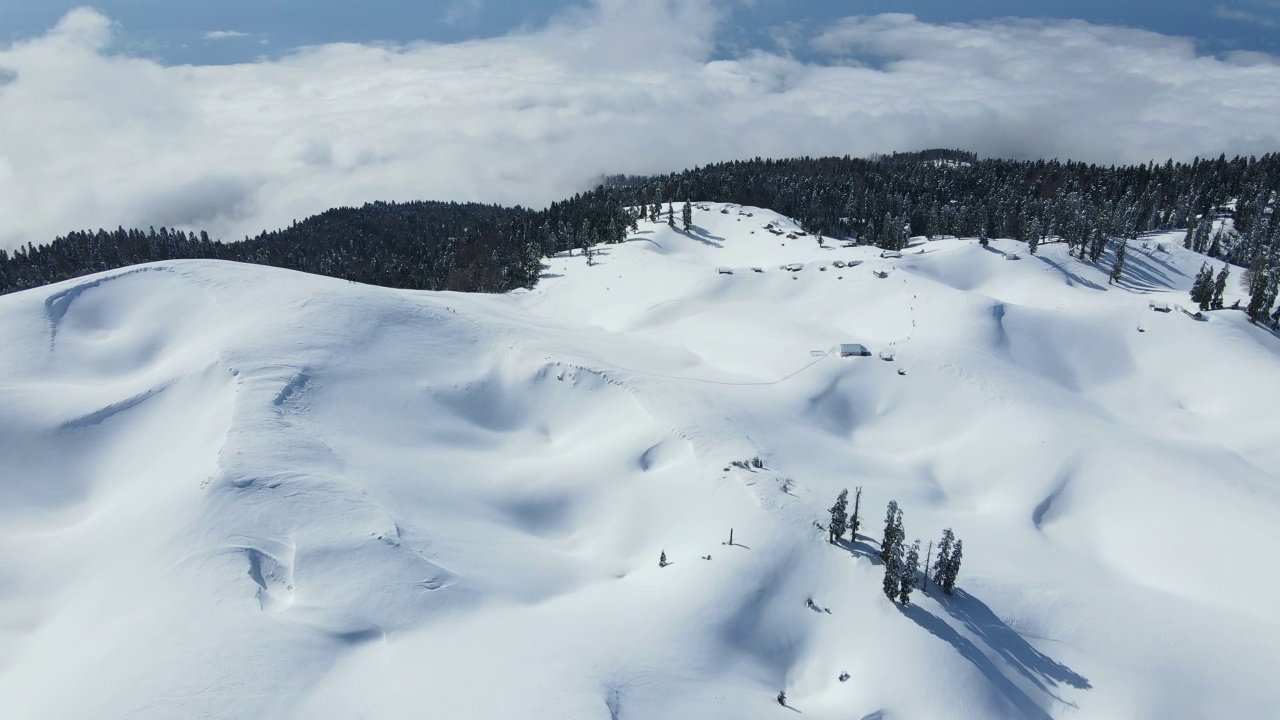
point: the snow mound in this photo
(233, 491)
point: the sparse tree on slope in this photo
(671, 216)
(944, 557)
(953, 567)
(893, 571)
(854, 521)
(1219, 287)
(1202, 288)
(662, 559)
(687, 216)
(907, 582)
(892, 531)
(1118, 268)
(839, 520)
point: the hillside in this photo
(234, 491)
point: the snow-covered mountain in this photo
(230, 491)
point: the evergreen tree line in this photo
(421, 245)
(884, 201)
(880, 201)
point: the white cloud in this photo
(460, 12)
(225, 35)
(91, 139)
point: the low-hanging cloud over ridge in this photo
(92, 138)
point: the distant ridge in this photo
(879, 201)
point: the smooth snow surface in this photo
(230, 491)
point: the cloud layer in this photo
(91, 138)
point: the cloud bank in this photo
(90, 138)
(225, 35)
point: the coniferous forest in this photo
(877, 201)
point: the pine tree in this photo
(1263, 295)
(944, 558)
(662, 559)
(1097, 245)
(893, 570)
(654, 210)
(1219, 287)
(1188, 240)
(1033, 236)
(909, 570)
(1215, 248)
(1202, 288)
(854, 522)
(892, 530)
(953, 567)
(687, 216)
(1118, 268)
(839, 521)
(1204, 230)
(671, 216)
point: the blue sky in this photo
(175, 32)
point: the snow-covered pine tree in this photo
(1219, 287)
(1202, 287)
(944, 557)
(1117, 269)
(839, 520)
(893, 570)
(854, 522)
(1033, 236)
(1263, 295)
(1215, 247)
(1097, 241)
(662, 559)
(924, 576)
(1188, 240)
(907, 581)
(671, 216)
(1204, 230)
(687, 216)
(892, 528)
(953, 567)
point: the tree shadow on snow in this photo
(1072, 278)
(1032, 664)
(861, 547)
(1141, 274)
(1042, 671)
(705, 237)
(938, 628)
(1169, 268)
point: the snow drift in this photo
(233, 491)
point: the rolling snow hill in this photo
(231, 491)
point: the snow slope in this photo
(231, 491)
